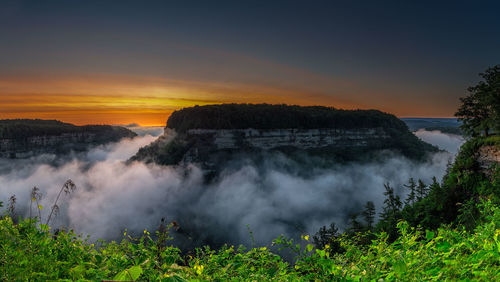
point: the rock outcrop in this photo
(488, 156)
(26, 138)
(348, 134)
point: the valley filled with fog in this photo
(112, 196)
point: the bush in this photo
(30, 252)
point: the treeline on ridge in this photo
(24, 128)
(267, 116)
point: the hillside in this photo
(474, 175)
(26, 137)
(212, 134)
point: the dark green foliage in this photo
(480, 110)
(369, 215)
(19, 129)
(265, 116)
(421, 190)
(455, 200)
(391, 213)
(412, 186)
(173, 152)
(355, 226)
(328, 236)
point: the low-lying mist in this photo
(112, 196)
(448, 142)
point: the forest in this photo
(267, 116)
(20, 129)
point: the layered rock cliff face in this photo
(300, 138)
(348, 136)
(488, 156)
(208, 141)
(26, 138)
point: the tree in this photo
(328, 237)
(412, 186)
(369, 215)
(422, 190)
(480, 110)
(391, 213)
(354, 225)
(392, 202)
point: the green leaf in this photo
(429, 235)
(443, 246)
(400, 267)
(130, 274)
(78, 271)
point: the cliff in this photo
(488, 158)
(211, 135)
(22, 138)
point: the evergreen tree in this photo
(369, 215)
(392, 202)
(354, 225)
(391, 213)
(328, 236)
(421, 190)
(412, 186)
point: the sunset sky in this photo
(120, 62)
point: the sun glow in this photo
(107, 99)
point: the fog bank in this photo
(444, 141)
(112, 196)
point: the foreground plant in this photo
(28, 251)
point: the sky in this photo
(120, 62)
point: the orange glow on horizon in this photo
(111, 99)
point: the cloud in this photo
(112, 196)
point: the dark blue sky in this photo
(412, 58)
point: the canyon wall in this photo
(56, 144)
(299, 138)
(488, 157)
(210, 146)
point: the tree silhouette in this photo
(369, 215)
(412, 186)
(480, 110)
(328, 236)
(391, 213)
(422, 190)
